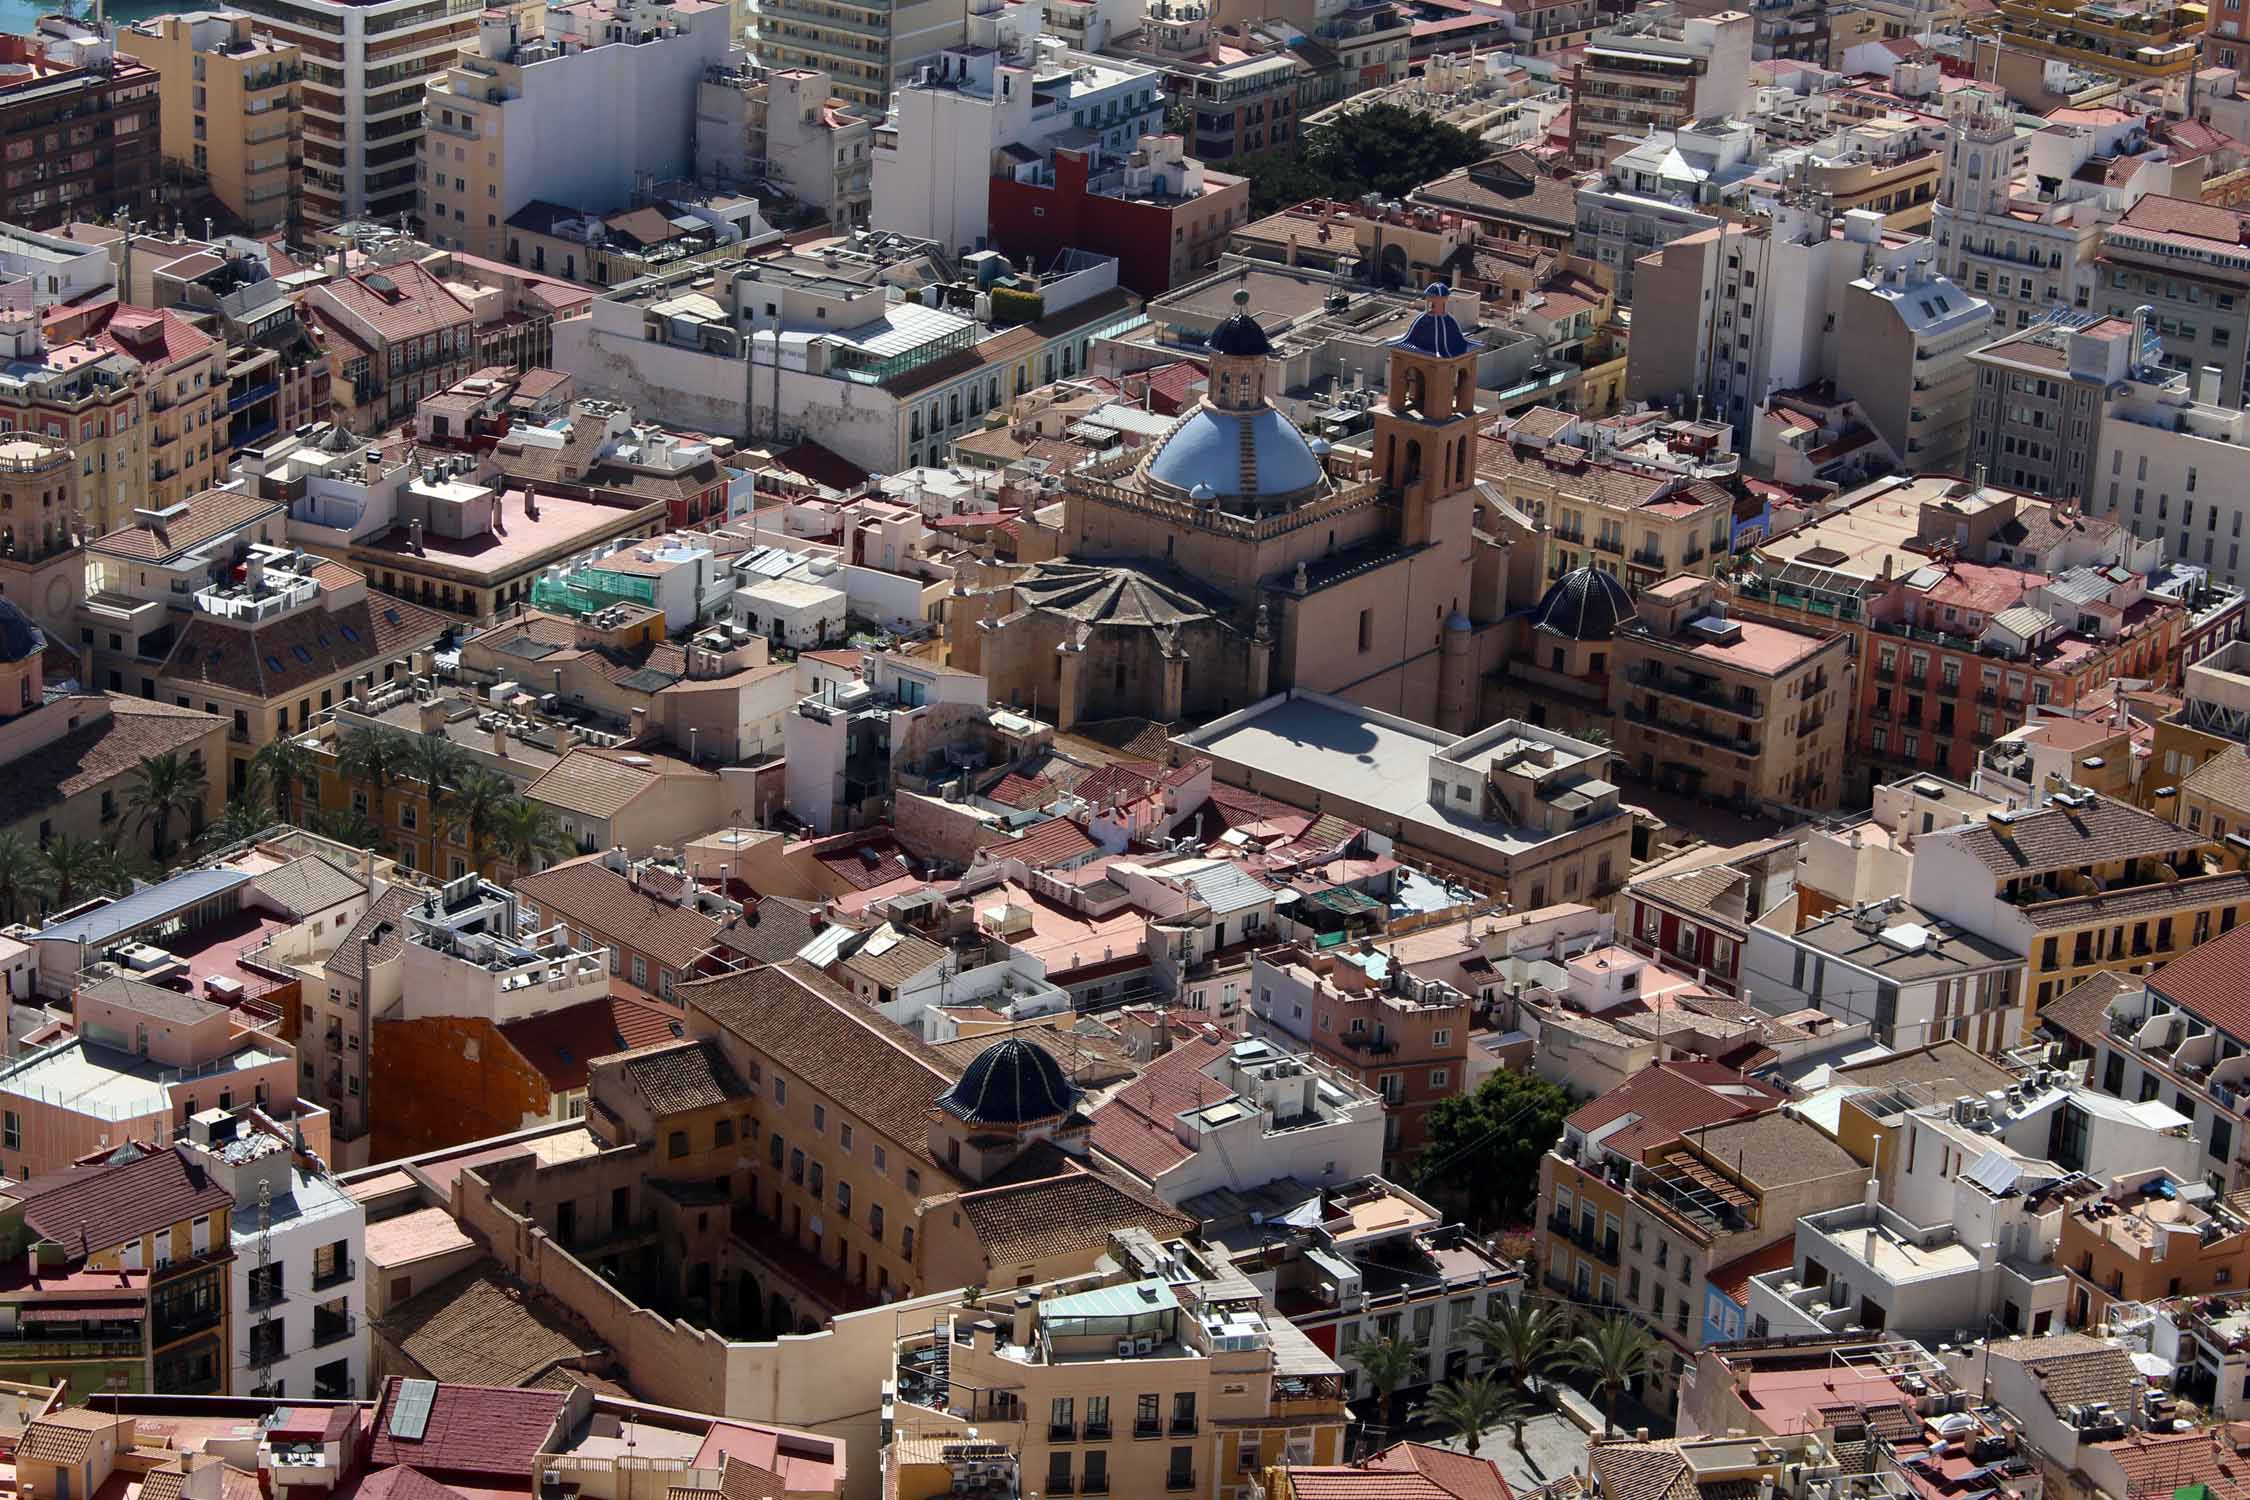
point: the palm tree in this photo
(284, 768)
(1521, 1339)
(1613, 1353)
(347, 826)
(1388, 1362)
(165, 787)
(438, 764)
(117, 866)
(23, 877)
(480, 800)
(73, 865)
(1466, 1408)
(244, 819)
(526, 835)
(372, 757)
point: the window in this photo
(679, 1145)
(820, 1119)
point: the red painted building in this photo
(1162, 214)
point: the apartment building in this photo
(588, 114)
(2174, 1038)
(153, 1208)
(933, 154)
(2187, 262)
(789, 127)
(2167, 460)
(839, 746)
(2149, 44)
(2082, 885)
(230, 111)
(2149, 1240)
(1661, 188)
(1913, 978)
(297, 1239)
(1640, 517)
(1045, 1373)
(1404, 1037)
(1681, 1170)
(660, 929)
(79, 127)
(241, 627)
(185, 375)
(1165, 215)
(365, 70)
(1657, 69)
(1741, 710)
(395, 336)
(2041, 396)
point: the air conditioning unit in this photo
(1124, 1348)
(1143, 1344)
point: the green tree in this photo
(165, 787)
(118, 865)
(285, 770)
(1522, 1338)
(1382, 149)
(528, 837)
(348, 826)
(372, 757)
(1612, 1353)
(243, 818)
(73, 867)
(1466, 1408)
(23, 877)
(1482, 1156)
(480, 801)
(438, 764)
(1388, 1362)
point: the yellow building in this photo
(2140, 43)
(1165, 1376)
(230, 111)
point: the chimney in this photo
(500, 740)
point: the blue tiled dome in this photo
(1436, 332)
(1206, 447)
(1585, 604)
(19, 638)
(1013, 1083)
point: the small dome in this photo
(1240, 334)
(1014, 1083)
(1436, 332)
(1585, 604)
(19, 638)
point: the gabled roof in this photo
(598, 900)
(1135, 1127)
(1461, 1475)
(91, 1210)
(677, 1077)
(300, 650)
(1074, 1213)
(308, 885)
(211, 513)
(2056, 836)
(561, 1042)
(1668, 1100)
(472, 1429)
(603, 783)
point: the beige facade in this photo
(1735, 709)
(230, 110)
(1163, 1377)
(863, 45)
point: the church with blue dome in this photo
(1234, 557)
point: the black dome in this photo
(19, 638)
(1240, 333)
(1585, 604)
(1013, 1083)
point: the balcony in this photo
(1183, 1427)
(1061, 1432)
(1176, 1482)
(1148, 1429)
(1374, 1046)
(330, 1328)
(341, 1270)
(264, 1294)
(1698, 690)
(1097, 1432)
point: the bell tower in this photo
(1426, 428)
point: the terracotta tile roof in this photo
(99, 751)
(1070, 1214)
(308, 885)
(409, 1237)
(905, 959)
(560, 1043)
(1667, 1099)
(2165, 1463)
(772, 930)
(2140, 901)
(2183, 216)
(2081, 1010)
(809, 1028)
(63, 1437)
(101, 1208)
(403, 1483)
(863, 861)
(2056, 836)
(744, 1481)
(600, 902)
(288, 655)
(1135, 1126)
(1013, 790)
(1360, 1482)
(1642, 1471)
(2224, 778)
(472, 1429)
(212, 513)
(161, 339)
(602, 783)
(380, 935)
(414, 304)
(164, 1483)
(2208, 981)
(1461, 1475)
(1048, 843)
(1732, 1280)
(676, 1077)
(2068, 1380)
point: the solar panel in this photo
(410, 1413)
